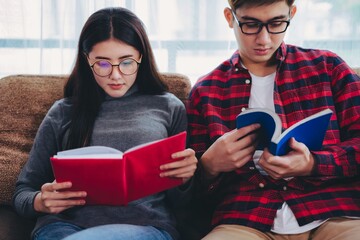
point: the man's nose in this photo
(263, 36)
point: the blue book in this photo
(310, 131)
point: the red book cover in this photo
(111, 177)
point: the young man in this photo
(304, 194)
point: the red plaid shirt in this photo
(306, 82)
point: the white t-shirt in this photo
(262, 96)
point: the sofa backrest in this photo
(24, 101)
(357, 71)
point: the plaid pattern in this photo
(307, 81)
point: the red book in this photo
(111, 177)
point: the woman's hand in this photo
(184, 168)
(53, 198)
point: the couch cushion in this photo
(178, 84)
(24, 101)
(357, 70)
(12, 226)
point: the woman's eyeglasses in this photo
(127, 66)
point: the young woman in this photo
(114, 97)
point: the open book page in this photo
(90, 152)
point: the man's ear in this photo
(293, 10)
(229, 17)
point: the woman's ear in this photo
(229, 17)
(292, 11)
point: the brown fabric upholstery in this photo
(357, 70)
(178, 84)
(24, 101)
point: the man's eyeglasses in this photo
(127, 66)
(255, 27)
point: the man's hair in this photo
(235, 4)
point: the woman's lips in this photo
(116, 86)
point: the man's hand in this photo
(230, 151)
(298, 162)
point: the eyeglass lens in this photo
(272, 27)
(104, 68)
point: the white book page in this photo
(90, 152)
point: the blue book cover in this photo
(310, 131)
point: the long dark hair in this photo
(82, 88)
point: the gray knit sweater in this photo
(122, 123)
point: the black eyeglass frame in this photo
(261, 25)
(117, 65)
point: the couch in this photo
(24, 101)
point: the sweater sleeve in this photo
(178, 116)
(180, 195)
(37, 170)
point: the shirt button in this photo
(236, 69)
(261, 185)
(251, 168)
(243, 109)
(284, 188)
(211, 187)
(247, 81)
